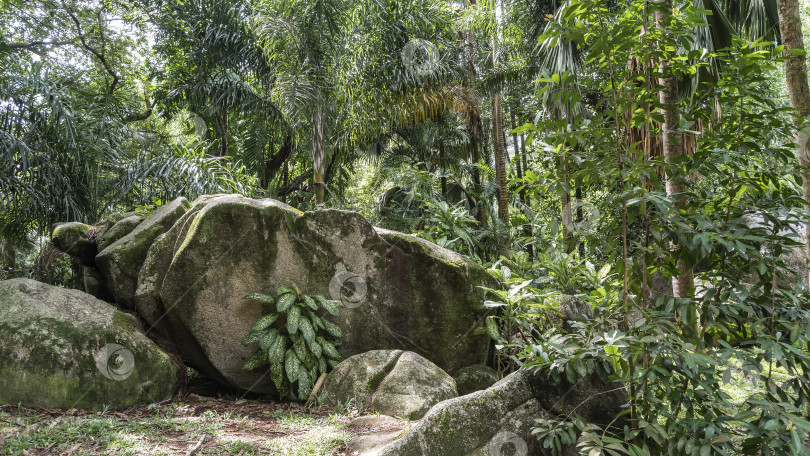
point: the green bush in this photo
(298, 344)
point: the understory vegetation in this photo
(634, 174)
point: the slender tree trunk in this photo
(500, 158)
(222, 120)
(498, 142)
(527, 230)
(518, 168)
(682, 283)
(318, 155)
(9, 255)
(580, 218)
(567, 216)
(441, 168)
(790, 26)
(285, 179)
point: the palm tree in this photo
(300, 38)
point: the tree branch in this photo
(34, 44)
(98, 54)
(294, 185)
(134, 117)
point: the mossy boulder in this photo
(117, 230)
(120, 262)
(499, 419)
(75, 239)
(390, 382)
(399, 292)
(65, 349)
(474, 378)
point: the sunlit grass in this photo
(170, 432)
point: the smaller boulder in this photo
(65, 349)
(474, 378)
(390, 382)
(76, 240)
(118, 230)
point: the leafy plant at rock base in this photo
(298, 344)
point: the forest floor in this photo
(192, 424)
(205, 422)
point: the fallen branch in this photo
(196, 447)
(315, 389)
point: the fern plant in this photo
(298, 344)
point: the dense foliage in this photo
(586, 150)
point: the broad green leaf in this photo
(300, 346)
(293, 318)
(277, 376)
(275, 354)
(315, 348)
(265, 321)
(310, 302)
(332, 329)
(251, 338)
(284, 290)
(316, 320)
(267, 338)
(261, 297)
(306, 329)
(291, 365)
(492, 329)
(331, 306)
(328, 349)
(285, 301)
(304, 384)
(258, 359)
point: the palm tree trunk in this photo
(500, 158)
(498, 140)
(682, 283)
(318, 155)
(790, 26)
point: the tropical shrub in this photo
(299, 344)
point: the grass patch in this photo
(230, 428)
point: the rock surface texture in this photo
(390, 382)
(66, 349)
(498, 420)
(186, 269)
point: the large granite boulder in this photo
(121, 261)
(186, 268)
(63, 348)
(499, 420)
(390, 382)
